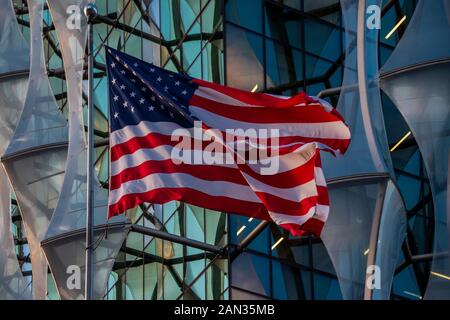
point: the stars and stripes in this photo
(147, 105)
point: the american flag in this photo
(147, 105)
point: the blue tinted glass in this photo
(289, 283)
(316, 67)
(251, 272)
(246, 13)
(322, 39)
(284, 64)
(326, 288)
(283, 25)
(245, 49)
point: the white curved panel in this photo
(391, 234)
(360, 100)
(12, 283)
(69, 251)
(348, 231)
(425, 39)
(358, 179)
(36, 155)
(417, 79)
(66, 230)
(14, 56)
(423, 97)
(14, 51)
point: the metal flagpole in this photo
(90, 11)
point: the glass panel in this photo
(405, 284)
(326, 288)
(325, 9)
(239, 12)
(297, 4)
(284, 65)
(287, 282)
(246, 52)
(216, 279)
(316, 67)
(135, 283)
(283, 25)
(251, 272)
(216, 228)
(237, 294)
(322, 39)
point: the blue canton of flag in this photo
(139, 90)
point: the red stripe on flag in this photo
(306, 114)
(205, 172)
(191, 196)
(255, 98)
(311, 226)
(293, 208)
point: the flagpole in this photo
(90, 10)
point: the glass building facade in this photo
(278, 47)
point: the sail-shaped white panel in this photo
(35, 158)
(65, 241)
(417, 79)
(425, 39)
(14, 63)
(391, 234)
(358, 180)
(14, 50)
(360, 100)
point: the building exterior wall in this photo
(279, 47)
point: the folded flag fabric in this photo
(174, 137)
